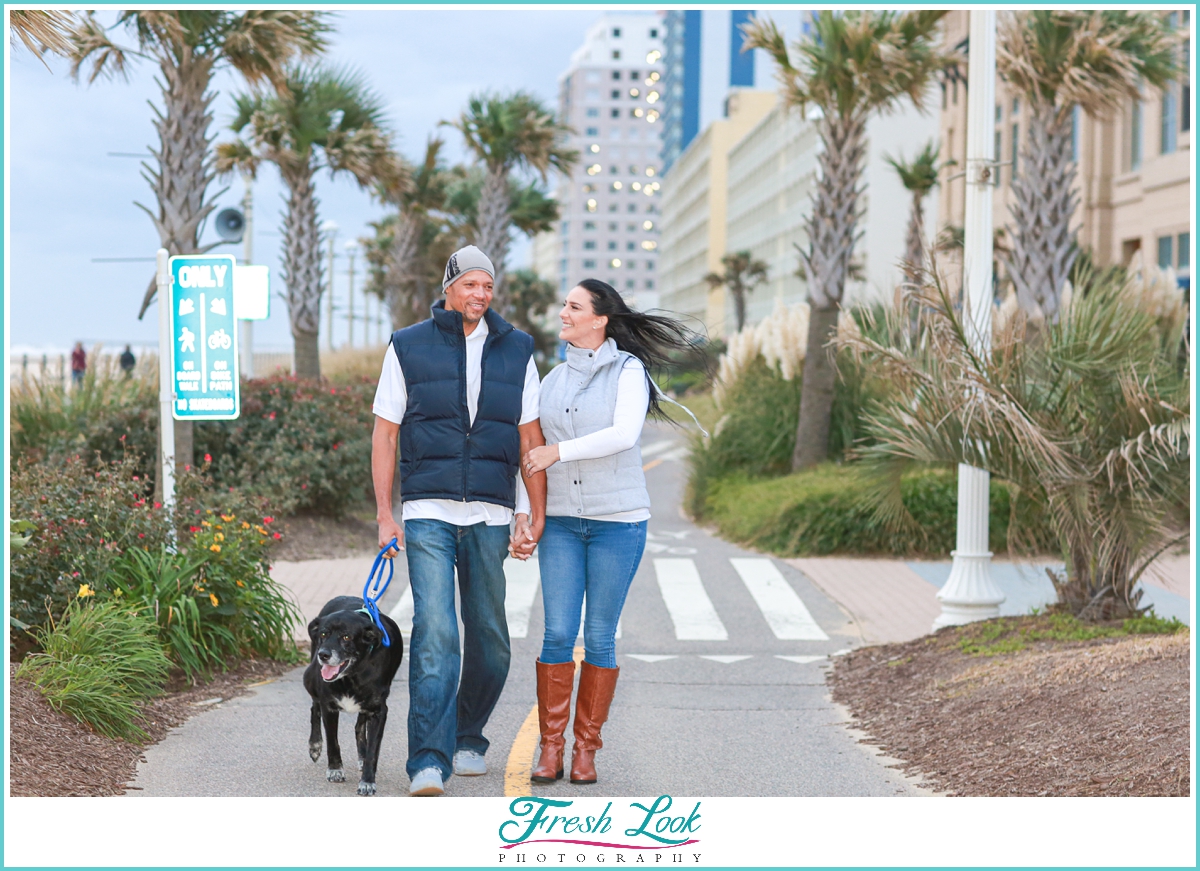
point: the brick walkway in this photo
(887, 600)
(315, 582)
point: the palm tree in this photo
(404, 278)
(43, 30)
(1088, 416)
(189, 46)
(918, 177)
(506, 134)
(318, 118)
(1059, 59)
(854, 64)
(742, 274)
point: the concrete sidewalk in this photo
(896, 600)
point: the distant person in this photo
(78, 364)
(128, 361)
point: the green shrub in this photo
(83, 517)
(108, 414)
(829, 509)
(97, 664)
(304, 446)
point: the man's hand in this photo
(389, 529)
(540, 458)
(522, 541)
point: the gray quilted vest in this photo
(578, 398)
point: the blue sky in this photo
(70, 202)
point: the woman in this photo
(597, 507)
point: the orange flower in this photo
(85, 591)
(215, 548)
(212, 597)
(239, 583)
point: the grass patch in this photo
(1012, 634)
(98, 664)
(828, 510)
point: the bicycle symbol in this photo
(220, 339)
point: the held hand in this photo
(522, 541)
(540, 458)
(389, 529)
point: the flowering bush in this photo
(83, 518)
(304, 446)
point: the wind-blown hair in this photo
(650, 337)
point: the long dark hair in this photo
(655, 339)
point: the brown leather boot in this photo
(596, 688)
(554, 684)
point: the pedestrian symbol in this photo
(204, 357)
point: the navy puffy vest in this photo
(442, 455)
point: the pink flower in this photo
(135, 477)
(141, 535)
(158, 505)
(277, 536)
(303, 486)
(208, 458)
(268, 520)
(271, 416)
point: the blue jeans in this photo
(445, 714)
(596, 557)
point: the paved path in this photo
(722, 687)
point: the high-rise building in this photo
(681, 82)
(611, 97)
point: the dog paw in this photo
(314, 751)
(335, 775)
(365, 788)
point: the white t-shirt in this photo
(391, 401)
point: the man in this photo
(128, 361)
(460, 393)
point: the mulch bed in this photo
(53, 754)
(1101, 717)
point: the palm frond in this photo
(90, 43)
(43, 30)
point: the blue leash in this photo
(370, 603)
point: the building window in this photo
(649, 265)
(629, 246)
(1016, 142)
(589, 264)
(1183, 251)
(612, 245)
(996, 150)
(616, 55)
(1016, 105)
(615, 113)
(1170, 121)
(1164, 252)
(616, 75)
(593, 131)
(616, 94)
(566, 227)
(1135, 136)
(616, 33)
(589, 225)
(615, 263)
(649, 284)
(589, 245)
(593, 112)
(1185, 102)
(654, 33)
(999, 113)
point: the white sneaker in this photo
(468, 763)
(428, 781)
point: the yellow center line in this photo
(650, 465)
(524, 746)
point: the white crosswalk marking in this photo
(403, 612)
(801, 659)
(651, 657)
(691, 610)
(785, 613)
(724, 658)
(521, 581)
(657, 447)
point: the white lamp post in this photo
(166, 379)
(246, 350)
(351, 250)
(329, 228)
(969, 594)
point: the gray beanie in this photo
(463, 261)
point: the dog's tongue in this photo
(329, 672)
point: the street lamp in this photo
(351, 250)
(970, 594)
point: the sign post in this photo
(166, 422)
(204, 348)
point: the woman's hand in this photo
(539, 458)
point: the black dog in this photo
(350, 671)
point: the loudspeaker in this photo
(231, 225)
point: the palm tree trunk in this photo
(493, 224)
(404, 264)
(739, 305)
(914, 245)
(302, 270)
(832, 233)
(184, 159)
(1044, 248)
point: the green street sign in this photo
(204, 348)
